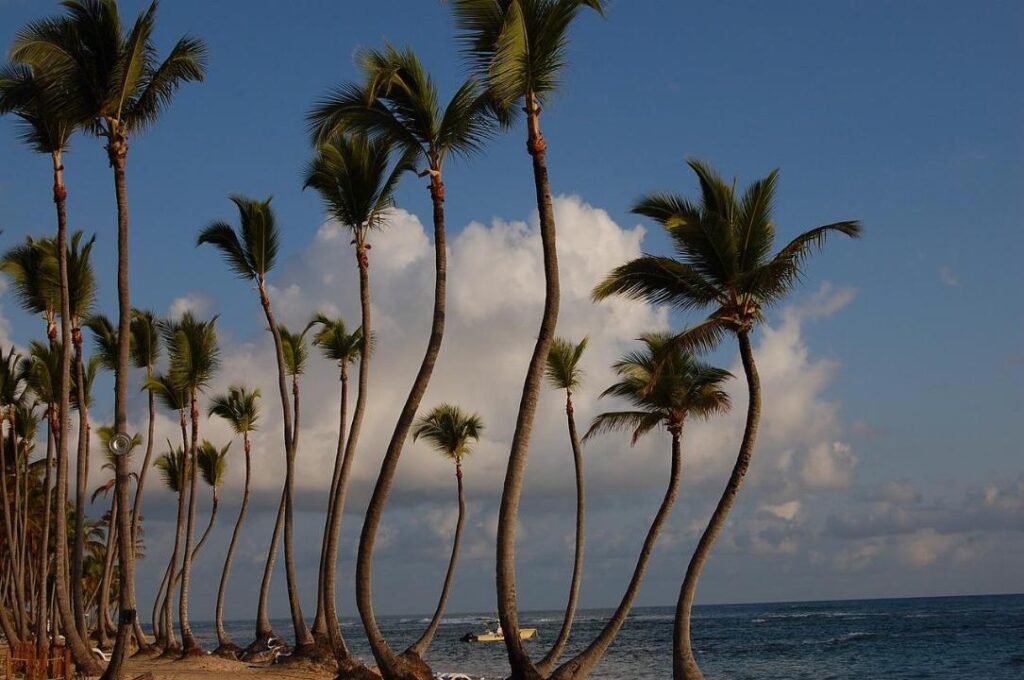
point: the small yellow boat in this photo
(498, 636)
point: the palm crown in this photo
(239, 407)
(252, 250)
(449, 430)
(112, 70)
(518, 46)
(172, 395)
(295, 350)
(104, 340)
(145, 338)
(563, 370)
(34, 276)
(398, 100)
(351, 173)
(724, 255)
(213, 463)
(48, 112)
(665, 384)
(174, 467)
(192, 347)
(335, 341)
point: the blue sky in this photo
(907, 116)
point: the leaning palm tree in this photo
(174, 469)
(337, 344)
(194, 358)
(123, 87)
(564, 373)
(174, 398)
(240, 409)
(356, 179)
(448, 429)
(665, 385)
(725, 263)
(518, 47)
(213, 466)
(398, 102)
(251, 252)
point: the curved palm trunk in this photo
(583, 664)
(521, 665)
(423, 643)
(189, 644)
(117, 151)
(320, 632)
(684, 664)
(345, 455)
(551, 658)
(80, 650)
(171, 646)
(303, 638)
(7, 625)
(408, 665)
(44, 544)
(81, 487)
(10, 519)
(264, 631)
(140, 485)
(106, 580)
(225, 646)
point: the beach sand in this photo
(215, 668)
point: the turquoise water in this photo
(943, 638)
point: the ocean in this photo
(942, 638)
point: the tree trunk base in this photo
(354, 669)
(261, 650)
(409, 666)
(311, 655)
(146, 651)
(171, 652)
(193, 650)
(228, 650)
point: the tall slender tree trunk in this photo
(10, 519)
(345, 455)
(80, 650)
(44, 543)
(684, 664)
(117, 150)
(7, 624)
(106, 580)
(264, 631)
(584, 663)
(136, 518)
(522, 667)
(225, 646)
(320, 632)
(551, 658)
(81, 486)
(408, 665)
(189, 644)
(421, 645)
(20, 525)
(171, 644)
(303, 638)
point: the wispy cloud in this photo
(948, 276)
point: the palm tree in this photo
(664, 384)
(40, 374)
(213, 466)
(12, 394)
(398, 102)
(194, 358)
(145, 351)
(250, 253)
(240, 409)
(725, 263)
(339, 345)
(518, 49)
(448, 429)
(123, 88)
(356, 180)
(564, 373)
(174, 468)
